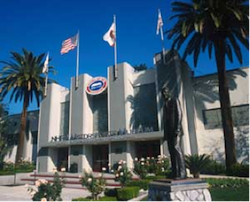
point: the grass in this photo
(241, 194)
(230, 194)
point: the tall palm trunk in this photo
(226, 114)
(20, 146)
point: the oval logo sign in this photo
(96, 86)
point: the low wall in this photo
(13, 179)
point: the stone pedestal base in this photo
(178, 190)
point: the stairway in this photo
(72, 180)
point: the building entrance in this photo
(100, 157)
(62, 161)
(147, 149)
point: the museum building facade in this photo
(103, 120)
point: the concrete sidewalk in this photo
(20, 193)
(219, 176)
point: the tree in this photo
(22, 78)
(215, 26)
(140, 67)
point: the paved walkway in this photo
(19, 193)
(220, 176)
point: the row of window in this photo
(144, 115)
(240, 115)
(145, 112)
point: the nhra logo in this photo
(96, 86)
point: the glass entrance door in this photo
(62, 161)
(147, 149)
(100, 157)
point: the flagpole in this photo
(115, 50)
(162, 38)
(162, 43)
(46, 75)
(77, 58)
(46, 83)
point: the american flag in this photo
(69, 44)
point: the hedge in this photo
(104, 198)
(143, 184)
(127, 193)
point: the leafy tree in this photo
(22, 78)
(219, 27)
(140, 67)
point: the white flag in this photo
(46, 64)
(159, 22)
(110, 35)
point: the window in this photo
(240, 115)
(145, 109)
(100, 113)
(212, 117)
(64, 122)
(76, 150)
(34, 137)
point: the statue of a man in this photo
(172, 119)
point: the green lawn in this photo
(227, 194)
(230, 194)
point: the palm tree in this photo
(22, 78)
(215, 26)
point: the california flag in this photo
(159, 22)
(109, 36)
(46, 64)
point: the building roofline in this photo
(215, 73)
(21, 113)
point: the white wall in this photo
(81, 116)
(119, 92)
(13, 128)
(211, 141)
(49, 124)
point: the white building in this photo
(125, 120)
(30, 143)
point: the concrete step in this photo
(71, 180)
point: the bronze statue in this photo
(172, 118)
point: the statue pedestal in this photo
(178, 190)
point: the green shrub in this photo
(239, 170)
(122, 174)
(140, 168)
(157, 166)
(22, 166)
(151, 165)
(163, 166)
(93, 185)
(47, 191)
(108, 198)
(82, 199)
(214, 168)
(124, 194)
(226, 182)
(195, 163)
(104, 198)
(155, 177)
(143, 184)
(25, 165)
(110, 192)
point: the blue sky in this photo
(41, 26)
